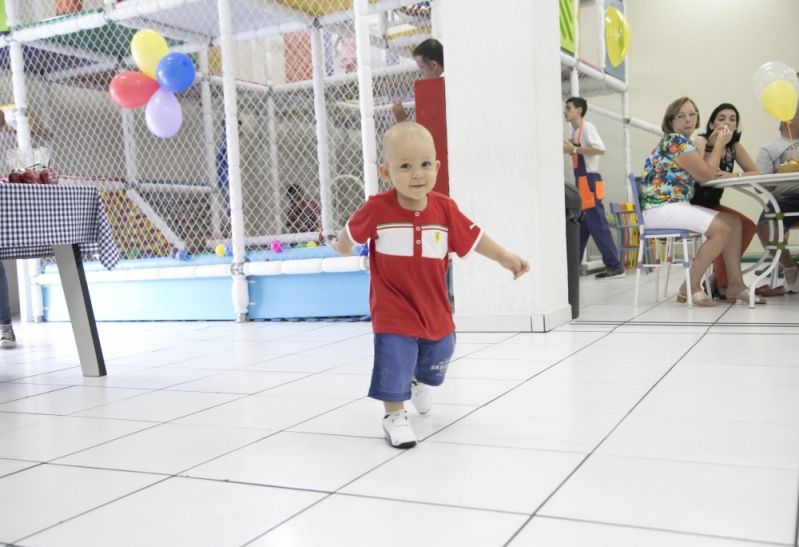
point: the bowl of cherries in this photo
(36, 174)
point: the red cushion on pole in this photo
(431, 112)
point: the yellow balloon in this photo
(617, 36)
(148, 47)
(779, 99)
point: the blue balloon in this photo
(175, 72)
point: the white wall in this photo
(504, 128)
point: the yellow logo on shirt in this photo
(437, 237)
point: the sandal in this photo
(743, 296)
(699, 298)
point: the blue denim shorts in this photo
(789, 203)
(398, 359)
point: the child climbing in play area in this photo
(411, 230)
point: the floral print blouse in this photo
(664, 180)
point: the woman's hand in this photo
(723, 135)
(720, 174)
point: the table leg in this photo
(81, 315)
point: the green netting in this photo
(110, 39)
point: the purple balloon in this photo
(163, 114)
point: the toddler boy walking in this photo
(411, 231)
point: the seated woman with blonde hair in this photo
(670, 174)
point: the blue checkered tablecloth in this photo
(34, 217)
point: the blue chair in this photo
(651, 239)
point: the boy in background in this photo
(585, 146)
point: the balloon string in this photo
(790, 138)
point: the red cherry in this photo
(30, 176)
(48, 176)
(15, 176)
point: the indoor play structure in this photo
(227, 184)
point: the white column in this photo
(366, 98)
(31, 307)
(322, 134)
(435, 21)
(574, 82)
(506, 161)
(600, 38)
(216, 204)
(130, 148)
(240, 293)
(274, 161)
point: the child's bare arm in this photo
(342, 244)
(510, 261)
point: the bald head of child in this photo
(403, 133)
(409, 162)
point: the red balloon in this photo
(132, 89)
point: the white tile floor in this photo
(648, 427)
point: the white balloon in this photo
(773, 71)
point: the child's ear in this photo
(382, 168)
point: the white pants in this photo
(680, 215)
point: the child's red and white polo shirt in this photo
(408, 261)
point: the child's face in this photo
(571, 112)
(412, 168)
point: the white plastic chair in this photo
(671, 236)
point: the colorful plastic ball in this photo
(276, 246)
(182, 255)
(364, 250)
(220, 250)
(311, 244)
(301, 245)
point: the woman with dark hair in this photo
(671, 173)
(724, 115)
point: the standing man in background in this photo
(585, 146)
(429, 56)
(7, 338)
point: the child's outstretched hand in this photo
(515, 264)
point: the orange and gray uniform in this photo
(591, 188)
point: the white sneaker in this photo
(791, 281)
(421, 398)
(7, 339)
(398, 430)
